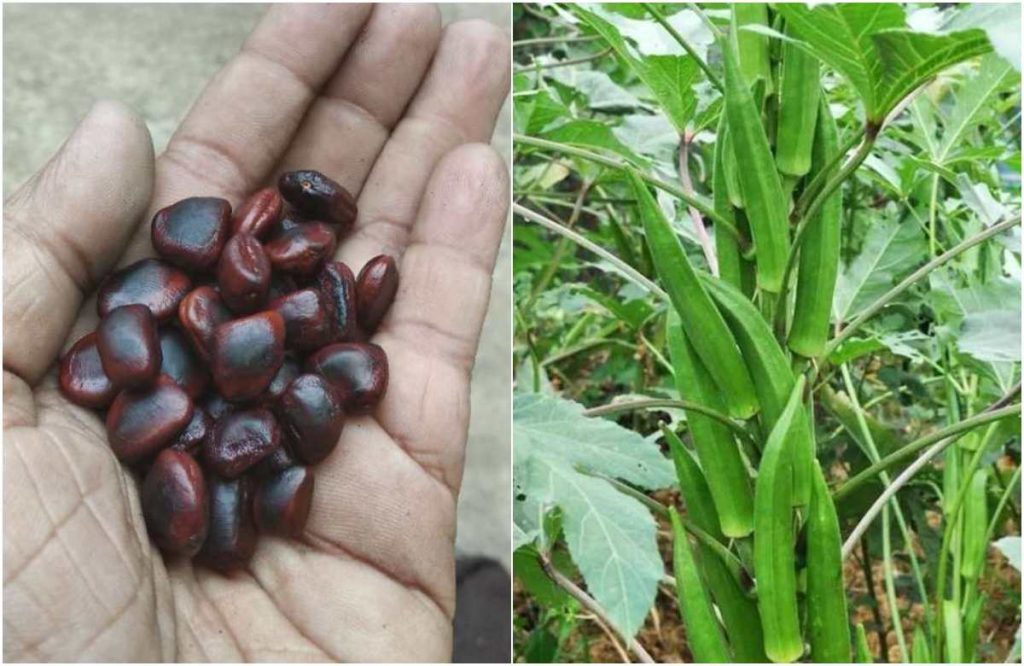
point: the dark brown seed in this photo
(243, 274)
(180, 364)
(81, 376)
(150, 282)
(375, 290)
(231, 539)
(200, 313)
(312, 417)
(339, 286)
(358, 371)
(301, 249)
(175, 504)
(317, 197)
(246, 355)
(192, 437)
(141, 422)
(281, 505)
(129, 346)
(192, 232)
(258, 214)
(307, 318)
(288, 371)
(240, 440)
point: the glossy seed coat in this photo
(258, 214)
(312, 417)
(150, 282)
(318, 197)
(239, 441)
(301, 249)
(338, 285)
(375, 290)
(141, 422)
(129, 346)
(358, 371)
(199, 314)
(231, 538)
(181, 364)
(81, 377)
(246, 355)
(282, 502)
(191, 233)
(243, 274)
(175, 504)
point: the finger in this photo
(432, 331)
(346, 127)
(245, 118)
(65, 228)
(457, 103)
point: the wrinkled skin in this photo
(394, 108)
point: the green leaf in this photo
(611, 538)
(556, 428)
(590, 134)
(601, 92)
(670, 78)
(973, 102)
(992, 336)
(890, 251)
(867, 43)
(999, 20)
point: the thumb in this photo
(65, 228)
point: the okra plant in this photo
(767, 287)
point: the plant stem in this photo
(591, 605)
(660, 18)
(698, 202)
(945, 436)
(658, 403)
(698, 222)
(566, 39)
(904, 284)
(536, 66)
(556, 256)
(819, 179)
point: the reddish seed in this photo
(258, 214)
(240, 440)
(312, 417)
(200, 313)
(358, 371)
(281, 505)
(302, 249)
(191, 233)
(180, 364)
(231, 538)
(175, 504)
(280, 459)
(307, 319)
(375, 290)
(246, 355)
(243, 274)
(81, 376)
(141, 422)
(129, 347)
(339, 286)
(150, 282)
(317, 197)
(191, 439)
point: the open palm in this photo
(390, 105)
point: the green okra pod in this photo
(799, 91)
(828, 625)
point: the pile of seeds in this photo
(226, 367)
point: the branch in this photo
(591, 605)
(659, 403)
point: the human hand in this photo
(384, 101)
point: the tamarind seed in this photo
(375, 291)
(301, 249)
(200, 313)
(175, 504)
(191, 439)
(307, 318)
(243, 274)
(240, 440)
(140, 422)
(357, 370)
(282, 501)
(191, 233)
(312, 417)
(150, 282)
(288, 371)
(246, 355)
(129, 346)
(81, 377)
(258, 214)
(338, 284)
(231, 537)
(316, 196)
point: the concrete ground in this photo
(157, 58)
